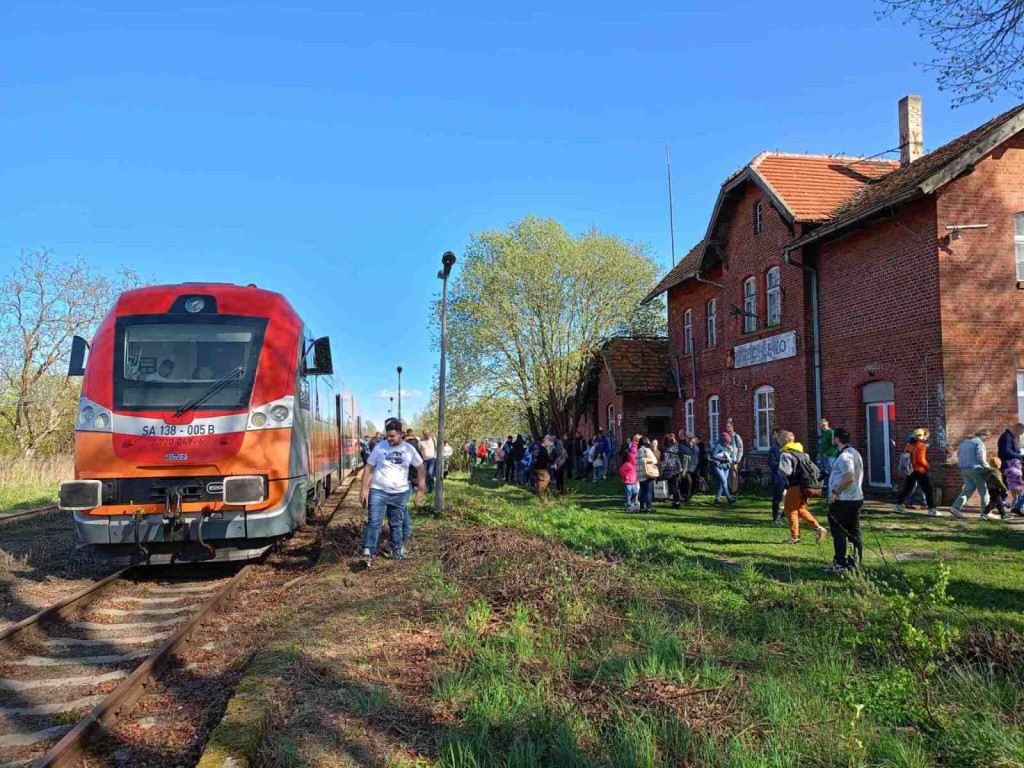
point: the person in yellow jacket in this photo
(800, 473)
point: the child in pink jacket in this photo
(627, 471)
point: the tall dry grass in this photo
(26, 471)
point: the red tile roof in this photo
(680, 273)
(908, 179)
(639, 365)
(812, 187)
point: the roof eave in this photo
(838, 226)
(748, 174)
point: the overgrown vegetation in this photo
(29, 482)
(698, 638)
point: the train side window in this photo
(304, 393)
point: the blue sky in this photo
(333, 155)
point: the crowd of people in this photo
(682, 465)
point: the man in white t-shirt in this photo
(845, 498)
(385, 489)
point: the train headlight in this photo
(279, 412)
(259, 419)
(86, 416)
(102, 421)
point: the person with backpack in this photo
(913, 465)
(1013, 474)
(627, 471)
(541, 466)
(672, 467)
(845, 498)
(723, 457)
(518, 454)
(646, 473)
(972, 461)
(803, 477)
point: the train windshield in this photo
(163, 363)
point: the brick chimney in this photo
(911, 130)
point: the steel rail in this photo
(70, 749)
(61, 608)
(27, 513)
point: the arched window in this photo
(750, 304)
(689, 416)
(712, 325)
(773, 296)
(611, 419)
(758, 217)
(713, 417)
(764, 417)
(688, 332)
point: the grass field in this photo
(26, 483)
(696, 637)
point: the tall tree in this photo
(43, 304)
(979, 43)
(530, 308)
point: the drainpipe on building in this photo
(815, 334)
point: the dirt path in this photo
(346, 678)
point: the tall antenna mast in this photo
(671, 216)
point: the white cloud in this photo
(384, 394)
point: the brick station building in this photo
(882, 295)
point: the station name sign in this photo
(765, 350)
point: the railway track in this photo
(27, 513)
(78, 666)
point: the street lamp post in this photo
(391, 405)
(399, 393)
(447, 261)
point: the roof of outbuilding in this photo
(812, 187)
(680, 273)
(638, 364)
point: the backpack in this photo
(905, 466)
(670, 462)
(806, 474)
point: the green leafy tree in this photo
(530, 308)
(43, 304)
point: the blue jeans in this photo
(647, 495)
(581, 467)
(778, 491)
(520, 473)
(632, 494)
(393, 505)
(825, 465)
(722, 472)
(599, 472)
(428, 467)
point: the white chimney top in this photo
(911, 129)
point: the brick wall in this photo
(606, 395)
(879, 313)
(982, 308)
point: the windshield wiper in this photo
(213, 389)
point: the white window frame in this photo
(1018, 243)
(758, 217)
(750, 304)
(688, 411)
(773, 296)
(610, 414)
(713, 418)
(764, 416)
(712, 324)
(688, 332)
(1020, 395)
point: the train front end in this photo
(191, 438)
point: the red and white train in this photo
(210, 422)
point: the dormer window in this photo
(758, 220)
